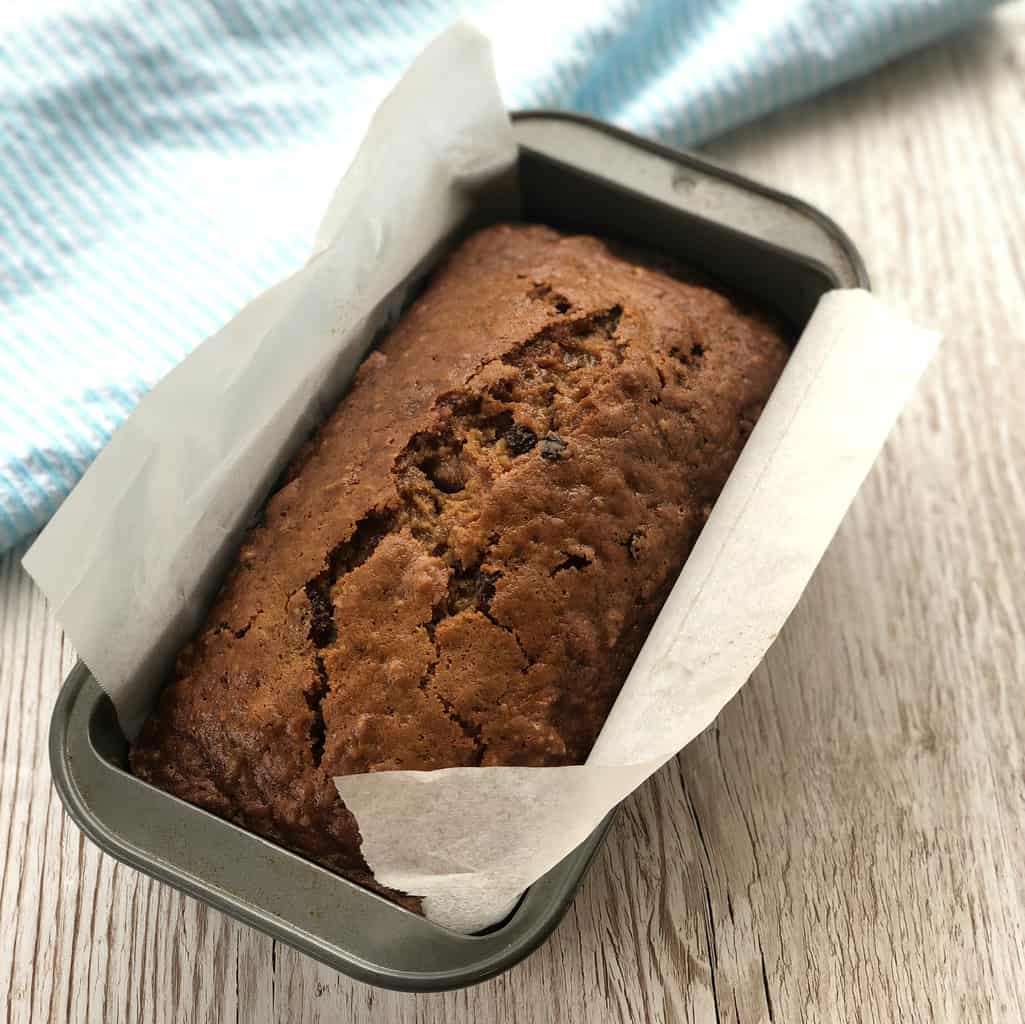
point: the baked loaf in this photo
(465, 560)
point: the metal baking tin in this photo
(574, 173)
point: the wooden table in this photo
(847, 842)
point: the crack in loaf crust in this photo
(465, 560)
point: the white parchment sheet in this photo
(132, 557)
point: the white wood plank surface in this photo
(847, 842)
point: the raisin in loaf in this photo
(465, 560)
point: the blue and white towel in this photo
(137, 138)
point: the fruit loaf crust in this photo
(465, 560)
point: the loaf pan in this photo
(576, 174)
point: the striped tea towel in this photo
(139, 137)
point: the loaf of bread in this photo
(464, 561)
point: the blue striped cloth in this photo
(162, 163)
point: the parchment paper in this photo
(131, 559)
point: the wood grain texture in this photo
(847, 841)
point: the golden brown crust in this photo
(466, 559)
